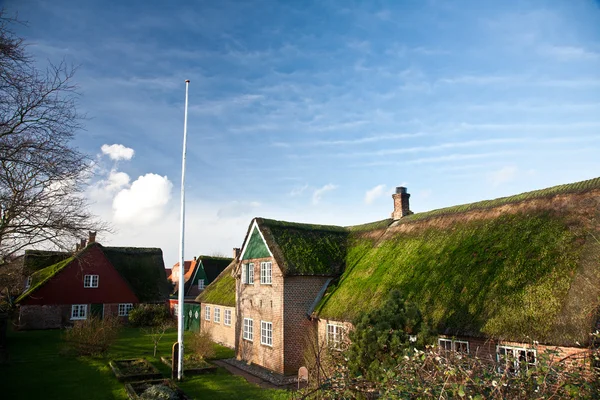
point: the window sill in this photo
(78, 319)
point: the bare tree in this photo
(42, 175)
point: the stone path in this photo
(257, 375)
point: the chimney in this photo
(82, 245)
(401, 207)
(77, 247)
(92, 237)
(236, 252)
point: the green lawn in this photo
(38, 371)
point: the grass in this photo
(37, 371)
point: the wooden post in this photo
(175, 361)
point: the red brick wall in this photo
(56, 316)
(261, 303)
(219, 332)
(299, 294)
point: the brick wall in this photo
(299, 294)
(220, 333)
(56, 316)
(261, 303)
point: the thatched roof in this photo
(302, 249)
(222, 290)
(142, 268)
(521, 268)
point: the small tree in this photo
(382, 336)
(157, 332)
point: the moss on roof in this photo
(43, 275)
(371, 226)
(222, 290)
(35, 260)
(508, 277)
(143, 269)
(305, 249)
(213, 266)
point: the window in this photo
(461, 346)
(176, 310)
(248, 329)
(90, 281)
(207, 313)
(227, 317)
(217, 315)
(28, 283)
(514, 358)
(265, 273)
(201, 284)
(124, 309)
(335, 336)
(266, 333)
(248, 274)
(79, 311)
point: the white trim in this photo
(217, 315)
(80, 315)
(263, 280)
(124, 309)
(335, 336)
(248, 334)
(266, 327)
(91, 282)
(207, 313)
(516, 361)
(225, 319)
(453, 343)
(248, 235)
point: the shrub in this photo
(201, 345)
(149, 315)
(381, 337)
(92, 336)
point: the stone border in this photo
(122, 377)
(262, 373)
(132, 388)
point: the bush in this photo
(92, 336)
(382, 336)
(201, 345)
(149, 315)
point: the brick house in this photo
(511, 276)
(95, 280)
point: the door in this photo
(97, 310)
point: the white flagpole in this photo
(181, 289)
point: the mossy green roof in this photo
(528, 272)
(222, 290)
(305, 249)
(40, 277)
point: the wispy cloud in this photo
(298, 190)
(569, 53)
(318, 193)
(373, 194)
(503, 175)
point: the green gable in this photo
(256, 247)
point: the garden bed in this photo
(136, 369)
(158, 388)
(192, 366)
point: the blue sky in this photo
(315, 111)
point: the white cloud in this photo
(117, 151)
(144, 201)
(318, 193)
(236, 209)
(375, 193)
(297, 191)
(569, 53)
(503, 175)
(116, 181)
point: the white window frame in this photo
(217, 318)
(447, 344)
(335, 336)
(516, 353)
(28, 282)
(248, 274)
(91, 281)
(266, 273)
(207, 313)
(248, 328)
(266, 333)
(78, 312)
(176, 310)
(227, 317)
(201, 284)
(124, 309)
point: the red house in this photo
(96, 280)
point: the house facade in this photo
(511, 276)
(95, 280)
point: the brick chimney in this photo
(401, 206)
(236, 252)
(82, 243)
(92, 237)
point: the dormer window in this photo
(91, 281)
